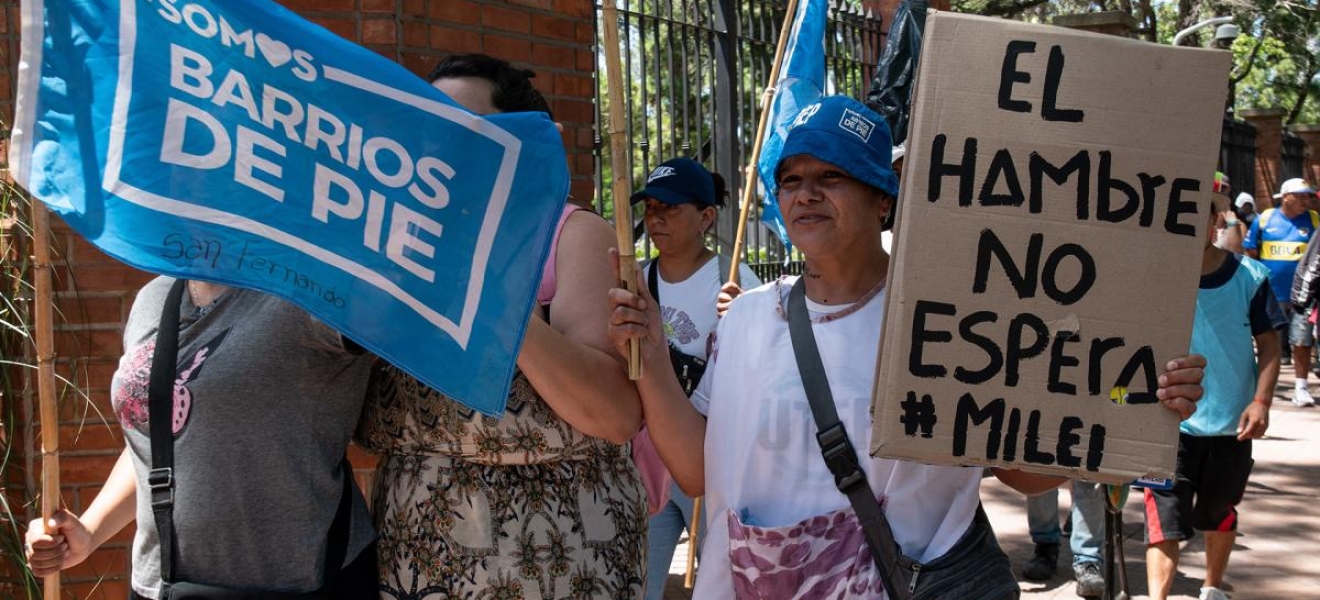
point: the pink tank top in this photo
(546, 291)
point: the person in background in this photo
(1230, 229)
(545, 501)
(1246, 208)
(682, 199)
(1087, 526)
(1278, 238)
(1235, 309)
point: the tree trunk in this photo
(1147, 29)
(1303, 91)
(1187, 17)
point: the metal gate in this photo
(1237, 155)
(695, 71)
(1293, 156)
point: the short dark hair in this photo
(512, 87)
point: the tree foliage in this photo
(1276, 58)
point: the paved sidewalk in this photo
(1277, 555)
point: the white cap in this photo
(1244, 198)
(1296, 185)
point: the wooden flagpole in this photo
(622, 173)
(690, 578)
(749, 193)
(749, 189)
(43, 323)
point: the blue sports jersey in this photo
(1232, 306)
(1281, 242)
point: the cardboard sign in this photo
(1053, 212)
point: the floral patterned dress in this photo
(525, 506)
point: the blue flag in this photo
(235, 142)
(801, 81)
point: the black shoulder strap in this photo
(652, 281)
(160, 395)
(835, 446)
(160, 480)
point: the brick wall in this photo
(1310, 134)
(94, 292)
(1269, 149)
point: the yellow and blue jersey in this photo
(1281, 242)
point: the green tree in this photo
(1276, 58)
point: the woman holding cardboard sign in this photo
(786, 364)
(544, 502)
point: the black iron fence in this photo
(1292, 158)
(695, 71)
(1237, 155)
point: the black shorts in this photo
(1214, 470)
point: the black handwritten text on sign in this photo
(1017, 338)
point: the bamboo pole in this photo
(693, 528)
(43, 323)
(622, 173)
(749, 190)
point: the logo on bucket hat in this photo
(857, 124)
(845, 133)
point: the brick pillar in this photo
(1269, 150)
(1114, 22)
(9, 26)
(1311, 135)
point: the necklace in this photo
(203, 302)
(781, 291)
(193, 294)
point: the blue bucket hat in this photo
(679, 181)
(845, 133)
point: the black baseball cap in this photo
(679, 181)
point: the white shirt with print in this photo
(688, 307)
(762, 459)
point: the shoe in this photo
(1043, 565)
(1302, 397)
(1213, 593)
(1090, 584)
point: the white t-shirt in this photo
(762, 459)
(688, 307)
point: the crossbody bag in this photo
(688, 368)
(160, 480)
(975, 568)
